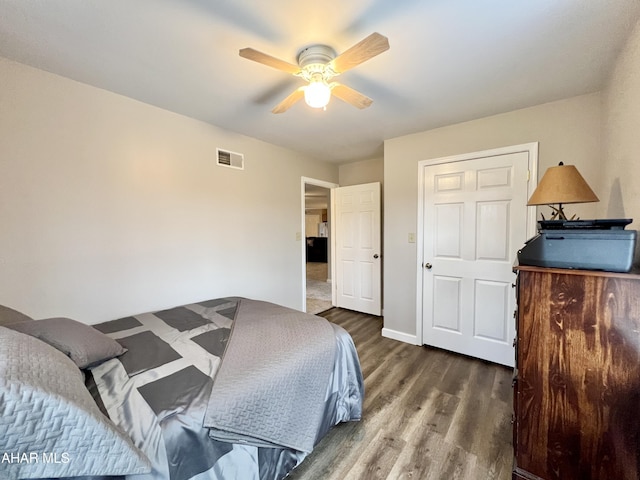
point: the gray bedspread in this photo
(158, 393)
(269, 389)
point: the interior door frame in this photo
(303, 243)
(530, 148)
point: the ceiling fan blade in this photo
(273, 62)
(288, 102)
(362, 51)
(351, 96)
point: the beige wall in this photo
(567, 130)
(111, 207)
(621, 126)
(366, 171)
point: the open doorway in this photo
(317, 246)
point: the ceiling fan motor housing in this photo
(316, 54)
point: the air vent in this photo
(230, 159)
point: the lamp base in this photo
(558, 213)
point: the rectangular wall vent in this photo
(230, 159)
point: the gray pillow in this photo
(46, 410)
(82, 343)
(9, 315)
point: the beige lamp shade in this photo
(562, 184)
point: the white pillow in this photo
(50, 424)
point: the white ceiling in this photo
(450, 60)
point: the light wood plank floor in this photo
(318, 289)
(428, 415)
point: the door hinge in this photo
(528, 175)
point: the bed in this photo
(229, 388)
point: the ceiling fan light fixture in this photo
(318, 93)
(317, 65)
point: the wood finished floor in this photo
(318, 289)
(428, 415)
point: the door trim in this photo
(303, 243)
(530, 148)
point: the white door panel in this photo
(492, 236)
(446, 313)
(448, 230)
(491, 300)
(474, 219)
(358, 255)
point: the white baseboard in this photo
(400, 336)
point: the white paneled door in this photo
(474, 221)
(358, 254)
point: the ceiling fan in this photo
(318, 64)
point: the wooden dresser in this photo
(577, 377)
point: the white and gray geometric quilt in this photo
(159, 390)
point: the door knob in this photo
(375, 255)
(428, 266)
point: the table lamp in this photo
(560, 185)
